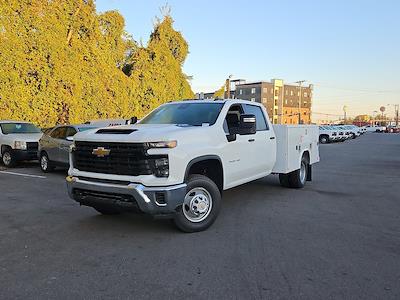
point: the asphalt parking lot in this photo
(338, 238)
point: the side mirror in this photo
(247, 124)
(70, 138)
(132, 120)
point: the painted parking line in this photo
(22, 174)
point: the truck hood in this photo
(24, 137)
(141, 133)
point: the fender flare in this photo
(202, 158)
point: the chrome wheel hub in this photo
(197, 204)
(44, 163)
(303, 172)
(6, 158)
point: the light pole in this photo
(374, 113)
(300, 82)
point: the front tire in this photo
(323, 139)
(201, 205)
(45, 164)
(8, 159)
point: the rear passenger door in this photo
(263, 155)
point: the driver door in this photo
(238, 163)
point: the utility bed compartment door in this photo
(292, 141)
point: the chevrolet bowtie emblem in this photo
(101, 152)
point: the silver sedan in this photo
(54, 145)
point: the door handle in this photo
(251, 140)
(272, 138)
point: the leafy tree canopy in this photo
(62, 62)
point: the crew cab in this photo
(177, 161)
(18, 142)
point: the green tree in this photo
(220, 93)
(156, 70)
(62, 62)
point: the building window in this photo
(286, 92)
(298, 94)
(272, 91)
(264, 100)
(253, 99)
(291, 93)
(253, 90)
(276, 93)
(265, 90)
(240, 92)
(305, 94)
(286, 101)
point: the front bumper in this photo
(131, 197)
(21, 155)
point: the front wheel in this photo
(8, 159)
(323, 139)
(45, 164)
(200, 206)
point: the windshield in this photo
(12, 128)
(192, 114)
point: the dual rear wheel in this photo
(296, 179)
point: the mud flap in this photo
(309, 173)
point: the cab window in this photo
(232, 119)
(71, 131)
(59, 133)
(260, 118)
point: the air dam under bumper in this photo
(130, 197)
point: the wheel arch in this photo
(202, 164)
(4, 147)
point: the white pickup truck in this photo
(177, 161)
(18, 141)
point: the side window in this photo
(232, 120)
(71, 131)
(59, 133)
(260, 118)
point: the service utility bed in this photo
(291, 142)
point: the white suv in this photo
(18, 141)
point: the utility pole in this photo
(228, 87)
(300, 82)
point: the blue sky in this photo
(349, 50)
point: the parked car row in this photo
(23, 141)
(339, 133)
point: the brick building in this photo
(281, 100)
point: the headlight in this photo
(19, 145)
(72, 148)
(163, 144)
(161, 167)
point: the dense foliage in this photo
(62, 62)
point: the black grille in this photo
(102, 195)
(123, 159)
(32, 146)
